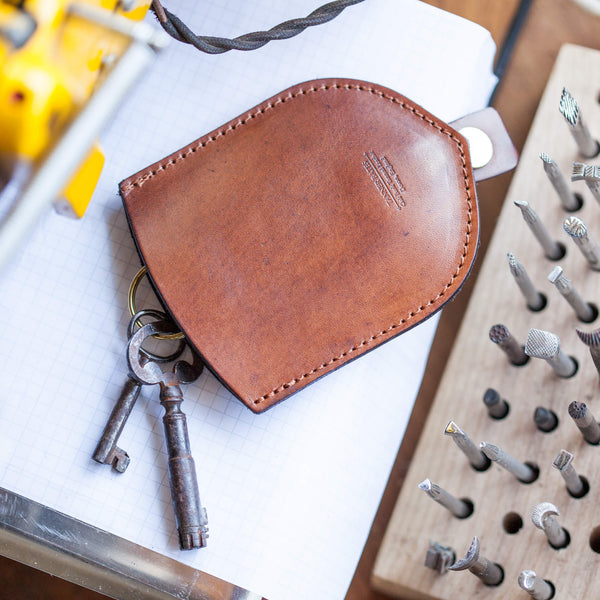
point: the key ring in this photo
(136, 319)
(135, 282)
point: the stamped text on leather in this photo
(386, 180)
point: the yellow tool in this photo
(51, 59)
(64, 69)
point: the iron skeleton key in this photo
(190, 516)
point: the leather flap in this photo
(323, 222)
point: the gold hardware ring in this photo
(135, 282)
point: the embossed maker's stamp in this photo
(385, 178)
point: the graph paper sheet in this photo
(290, 493)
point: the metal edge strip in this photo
(48, 540)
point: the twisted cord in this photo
(249, 41)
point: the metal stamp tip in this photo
(568, 107)
(527, 579)
(545, 419)
(469, 559)
(541, 511)
(426, 485)
(578, 171)
(589, 173)
(575, 227)
(542, 344)
(452, 428)
(545, 158)
(555, 274)
(589, 338)
(489, 450)
(562, 460)
(496, 406)
(439, 557)
(498, 333)
(577, 410)
(491, 397)
(516, 268)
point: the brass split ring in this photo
(135, 282)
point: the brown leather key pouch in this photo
(306, 232)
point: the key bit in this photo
(524, 472)
(545, 419)
(592, 340)
(585, 421)
(576, 485)
(500, 335)
(489, 572)
(546, 345)
(478, 460)
(590, 174)
(536, 587)
(543, 517)
(459, 507)
(569, 200)
(579, 234)
(569, 109)
(553, 250)
(497, 407)
(584, 310)
(535, 300)
(439, 557)
(190, 515)
(107, 452)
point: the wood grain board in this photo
(476, 364)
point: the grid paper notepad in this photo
(290, 493)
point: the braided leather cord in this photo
(249, 41)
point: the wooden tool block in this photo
(500, 501)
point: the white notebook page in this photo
(290, 493)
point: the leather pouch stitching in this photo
(149, 174)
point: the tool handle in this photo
(189, 513)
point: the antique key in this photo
(107, 451)
(192, 522)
